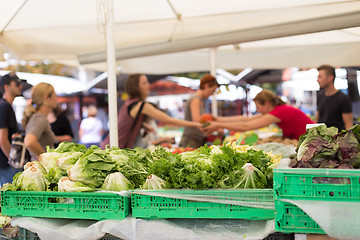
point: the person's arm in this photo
(4, 141)
(155, 113)
(163, 140)
(256, 123)
(81, 133)
(317, 116)
(236, 118)
(348, 120)
(148, 127)
(32, 143)
(64, 138)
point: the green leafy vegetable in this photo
(35, 164)
(251, 177)
(66, 185)
(349, 143)
(316, 145)
(93, 167)
(66, 162)
(69, 147)
(4, 220)
(48, 160)
(153, 182)
(116, 182)
(32, 179)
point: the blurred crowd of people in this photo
(45, 124)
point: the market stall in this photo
(231, 191)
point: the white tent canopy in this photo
(149, 33)
(66, 31)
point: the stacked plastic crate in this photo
(330, 185)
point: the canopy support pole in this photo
(214, 109)
(111, 65)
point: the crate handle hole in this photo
(61, 200)
(331, 180)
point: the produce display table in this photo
(131, 228)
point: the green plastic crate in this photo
(310, 184)
(95, 205)
(156, 206)
(317, 184)
(291, 219)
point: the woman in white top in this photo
(91, 130)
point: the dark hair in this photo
(132, 86)
(268, 96)
(329, 70)
(8, 78)
(57, 111)
(208, 79)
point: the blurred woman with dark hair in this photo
(132, 112)
(60, 125)
(272, 109)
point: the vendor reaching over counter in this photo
(132, 112)
(272, 109)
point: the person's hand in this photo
(210, 127)
(198, 125)
(167, 140)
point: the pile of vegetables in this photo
(72, 167)
(322, 147)
(230, 166)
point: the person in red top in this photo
(272, 109)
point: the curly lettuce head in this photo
(349, 143)
(316, 145)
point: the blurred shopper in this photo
(38, 133)
(91, 129)
(11, 87)
(333, 107)
(60, 125)
(272, 109)
(132, 112)
(194, 108)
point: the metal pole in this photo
(112, 88)
(214, 109)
